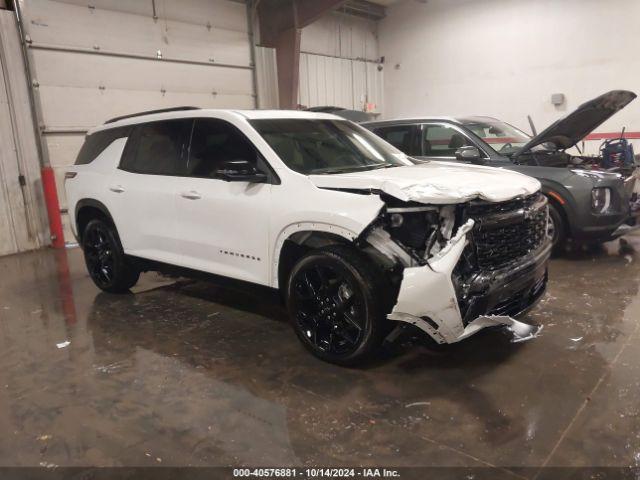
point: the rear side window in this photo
(403, 137)
(97, 142)
(158, 148)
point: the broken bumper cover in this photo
(429, 300)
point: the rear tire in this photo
(335, 298)
(108, 266)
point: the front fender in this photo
(567, 190)
(560, 196)
(330, 211)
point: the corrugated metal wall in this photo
(23, 224)
(99, 59)
(267, 77)
(339, 82)
(339, 64)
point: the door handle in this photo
(192, 195)
(117, 188)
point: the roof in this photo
(184, 112)
(259, 114)
(437, 118)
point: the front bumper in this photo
(429, 300)
(621, 219)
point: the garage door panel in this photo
(63, 148)
(97, 59)
(227, 14)
(82, 107)
(94, 71)
(186, 41)
(60, 24)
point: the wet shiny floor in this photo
(190, 373)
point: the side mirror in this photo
(240, 171)
(469, 154)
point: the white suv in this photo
(357, 237)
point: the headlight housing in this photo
(600, 199)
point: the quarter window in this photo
(158, 148)
(97, 142)
(442, 141)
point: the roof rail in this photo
(149, 112)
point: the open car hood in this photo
(568, 131)
(435, 183)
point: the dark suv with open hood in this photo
(586, 202)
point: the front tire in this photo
(106, 262)
(557, 229)
(335, 299)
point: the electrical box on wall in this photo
(557, 99)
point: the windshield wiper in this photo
(387, 165)
(352, 169)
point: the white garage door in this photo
(93, 60)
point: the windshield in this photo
(502, 137)
(327, 146)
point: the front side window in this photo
(311, 146)
(158, 148)
(442, 141)
(216, 142)
(403, 137)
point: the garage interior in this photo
(191, 373)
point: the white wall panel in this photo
(505, 58)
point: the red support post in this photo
(53, 207)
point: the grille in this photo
(506, 231)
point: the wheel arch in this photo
(297, 239)
(561, 199)
(86, 210)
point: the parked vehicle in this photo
(586, 201)
(356, 236)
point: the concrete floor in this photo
(195, 374)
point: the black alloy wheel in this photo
(99, 255)
(333, 306)
(106, 263)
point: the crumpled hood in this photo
(436, 182)
(569, 130)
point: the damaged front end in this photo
(461, 268)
